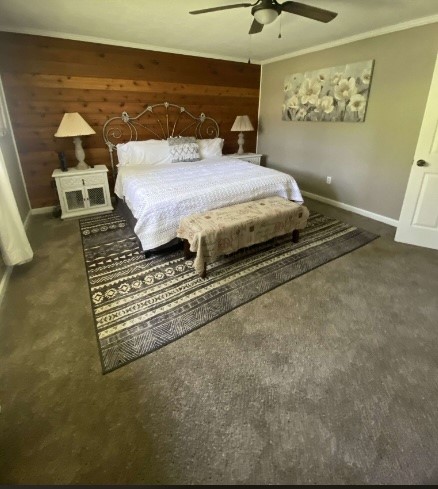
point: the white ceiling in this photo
(166, 25)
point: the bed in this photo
(159, 192)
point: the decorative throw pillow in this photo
(183, 149)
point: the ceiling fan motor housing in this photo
(263, 12)
(266, 11)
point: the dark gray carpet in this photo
(141, 305)
(331, 378)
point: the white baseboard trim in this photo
(351, 208)
(4, 282)
(42, 210)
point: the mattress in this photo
(160, 195)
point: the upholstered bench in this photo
(222, 231)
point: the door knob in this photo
(421, 163)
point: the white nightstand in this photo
(249, 157)
(83, 192)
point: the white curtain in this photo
(14, 244)
(2, 119)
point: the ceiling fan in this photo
(266, 11)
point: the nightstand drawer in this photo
(95, 179)
(84, 180)
(253, 158)
(71, 182)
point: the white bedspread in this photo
(159, 196)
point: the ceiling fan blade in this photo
(224, 7)
(255, 27)
(308, 11)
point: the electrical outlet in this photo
(329, 180)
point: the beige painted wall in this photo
(369, 162)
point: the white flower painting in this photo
(337, 94)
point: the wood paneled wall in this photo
(45, 77)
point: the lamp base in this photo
(240, 142)
(82, 166)
(79, 153)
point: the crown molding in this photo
(113, 42)
(358, 37)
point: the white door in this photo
(418, 224)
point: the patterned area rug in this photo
(140, 304)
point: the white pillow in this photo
(150, 152)
(209, 148)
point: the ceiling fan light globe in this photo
(265, 15)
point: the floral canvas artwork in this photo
(337, 94)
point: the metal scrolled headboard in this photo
(168, 120)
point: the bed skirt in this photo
(127, 214)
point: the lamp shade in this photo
(73, 125)
(242, 123)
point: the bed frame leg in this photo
(204, 272)
(295, 236)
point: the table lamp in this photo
(241, 124)
(74, 126)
